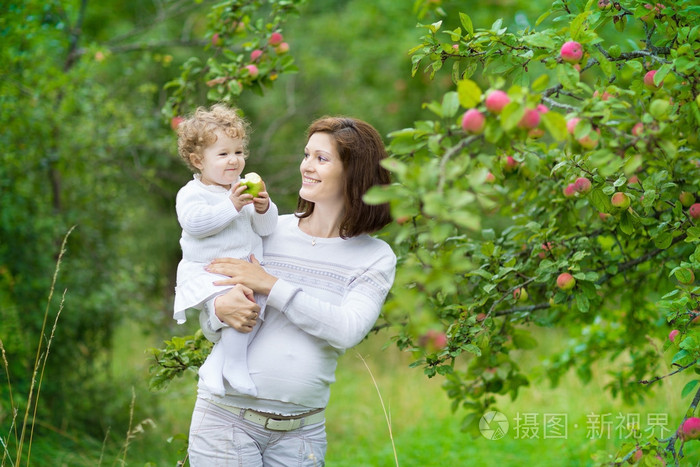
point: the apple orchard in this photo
(556, 185)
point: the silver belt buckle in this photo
(282, 425)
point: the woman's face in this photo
(322, 174)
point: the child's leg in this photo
(235, 346)
(211, 370)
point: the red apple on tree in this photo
(637, 129)
(175, 122)
(571, 52)
(582, 185)
(571, 124)
(690, 429)
(566, 281)
(589, 142)
(282, 48)
(252, 71)
(530, 120)
(649, 80)
(569, 190)
(687, 199)
(520, 294)
(694, 211)
(255, 55)
(673, 334)
(275, 39)
(473, 121)
(509, 164)
(496, 100)
(433, 340)
(620, 200)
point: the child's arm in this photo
(265, 221)
(198, 217)
(264, 224)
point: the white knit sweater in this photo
(213, 228)
(327, 298)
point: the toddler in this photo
(218, 219)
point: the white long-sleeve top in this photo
(326, 299)
(212, 227)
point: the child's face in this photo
(222, 162)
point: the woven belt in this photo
(286, 424)
(276, 424)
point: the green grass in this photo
(425, 431)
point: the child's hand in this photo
(239, 198)
(262, 202)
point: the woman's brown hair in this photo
(361, 149)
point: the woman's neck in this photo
(320, 224)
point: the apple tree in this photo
(555, 186)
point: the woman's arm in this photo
(343, 325)
(236, 308)
(251, 274)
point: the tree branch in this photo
(659, 378)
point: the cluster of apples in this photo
(474, 120)
(276, 41)
(581, 185)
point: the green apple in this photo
(254, 184)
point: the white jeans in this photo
(221, 438)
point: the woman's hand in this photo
(237, 308)
(250, 274)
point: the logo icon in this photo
(493, 425)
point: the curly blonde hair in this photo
(196, 133)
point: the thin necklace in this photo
(313, 241)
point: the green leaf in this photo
(523, 340)
(626, 225)
(542, 17)
(539, 40)
(688, 388)
(600, 200)
(578, 25)
(567, 76)
(469, 93)
(511, 115)
(541, 83)
(466, 23)
(661, 73)
(663, 240)
(450, 104)
(684, 275)
(556, 125)
(582, 303)
(680, 356)
(471, 348)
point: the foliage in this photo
(79, 149)
(180, 355)
(248, 52)
(483, 214)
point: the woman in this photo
(325, 280)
